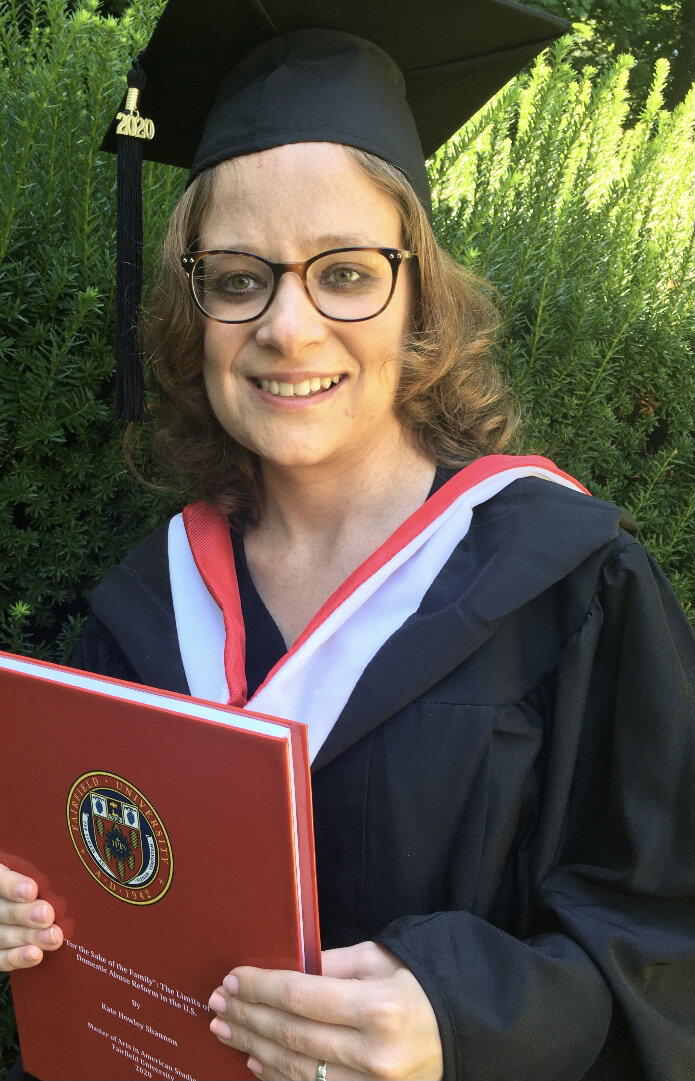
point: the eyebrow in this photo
(319, 243)
(344, 240)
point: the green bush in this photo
(585, 228)
(68, 508)
(582, 226)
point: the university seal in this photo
(120, 838)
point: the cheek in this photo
(213, 350)
(219, 350)
(211, 379)
(216, 377)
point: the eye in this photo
(345, 276)
(236, 284)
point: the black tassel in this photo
(129, 399)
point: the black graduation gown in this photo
(506, 801)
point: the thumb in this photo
(365, 961)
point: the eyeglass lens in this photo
(231, 286)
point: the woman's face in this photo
(288, 204)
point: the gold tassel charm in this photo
(130, 122)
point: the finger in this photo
(334, 1072)
(16, 887)
(26, 913)
(47, 938)
(278, 1061)
(320, 998)
(27, 924)
(21, 957)
(22, 948)
(310, 1038)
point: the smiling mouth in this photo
(304, 389)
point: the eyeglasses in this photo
(346, 284)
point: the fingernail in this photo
(217, 1003)
(220, 1028)
(24, 890)
(49, 937)
(31, 955)
(255, 1066)
(231, 984)
(39, 913)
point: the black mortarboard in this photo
(222, 78)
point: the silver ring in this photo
(321, 1072)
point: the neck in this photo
(319, 523)
(372, 494)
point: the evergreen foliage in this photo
(69, 508)
(606, 28)
(582, 224)
(585, 228)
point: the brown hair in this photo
(450, 398)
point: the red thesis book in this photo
(174, 839)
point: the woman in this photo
(499, 802)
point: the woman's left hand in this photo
(365, 1017)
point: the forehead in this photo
(295, 197)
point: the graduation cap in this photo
(223, 78)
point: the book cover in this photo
(174, 839)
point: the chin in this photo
(289, 456)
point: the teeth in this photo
(299, 390)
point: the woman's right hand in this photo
(26, 922)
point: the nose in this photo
(291, 323)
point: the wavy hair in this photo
(450, 399)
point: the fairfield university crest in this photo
(120, 838)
